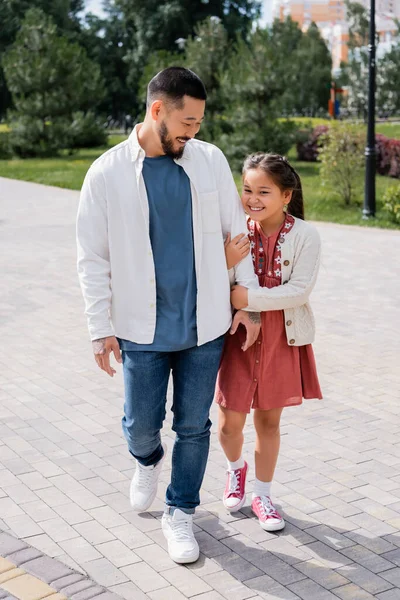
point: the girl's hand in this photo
(236, 249)
(239, 297)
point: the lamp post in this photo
(370, 151)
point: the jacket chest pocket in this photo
(210, 217)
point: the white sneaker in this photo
(178, 531)
(144, 484)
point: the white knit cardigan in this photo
(300, 254)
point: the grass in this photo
(68, 171)
(389, 129)
(65, 171)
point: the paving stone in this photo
(389, 595)
(9, 574)
(228, 586)
(330, 537)
(237, 566)
(393, 576)
(309, 590)
(368, 559)
(9, 545)
(6, 565)
(156, 557)
(63, 582)
(27, 587)
(364, 578)
(23, 556)
(46, 569)
(146, 578)
(130, 591)
(80, 550)
(104, 573)
(352, 592)
(117, 553)
(169, 593)
(269, 589)
(327, 578)
(88, 594)
(186, 581)
(79, 586)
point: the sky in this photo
(95, 6)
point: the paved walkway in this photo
(64, 467)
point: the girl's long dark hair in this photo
(283, 175)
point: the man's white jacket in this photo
(115, 258)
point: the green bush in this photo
(342, 159)
(391, 200)
(271, 136)
(87, 131)
(32, 137)
(5, 146)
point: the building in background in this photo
(330, 16)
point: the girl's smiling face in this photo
(262, 199)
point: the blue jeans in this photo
(194, 373)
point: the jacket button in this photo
(288, 323)
(292, 342)
(286, 263)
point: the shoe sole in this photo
(179, 559)
(183, 561)
(236, 508)
(147, 506)
(277, 527)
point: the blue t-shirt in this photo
(171, 235)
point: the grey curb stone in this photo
(64, 582)
(23, 556)
(77, 587)
(47, 569)
(10, 545)
(92, 592)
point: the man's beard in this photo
(167, 143)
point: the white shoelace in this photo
(267, 507)
(234, 482)
(145, 476)
(182, 530)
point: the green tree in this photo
(304, 67)
(252, 86)
(207, 53)
(107, 41)
(50, 78)
(158, 25)
(388, 79)
(65, 14)
(313, 62)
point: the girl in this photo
(279, 370)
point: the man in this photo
(152, 219)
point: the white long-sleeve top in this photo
(115, 258)
(300, 260)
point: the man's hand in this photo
(239, 297)
(252, 322)
(102, 349)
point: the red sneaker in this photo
(235, 495)
(268, 516)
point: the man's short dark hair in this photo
(172, 84)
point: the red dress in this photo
(270, 374)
